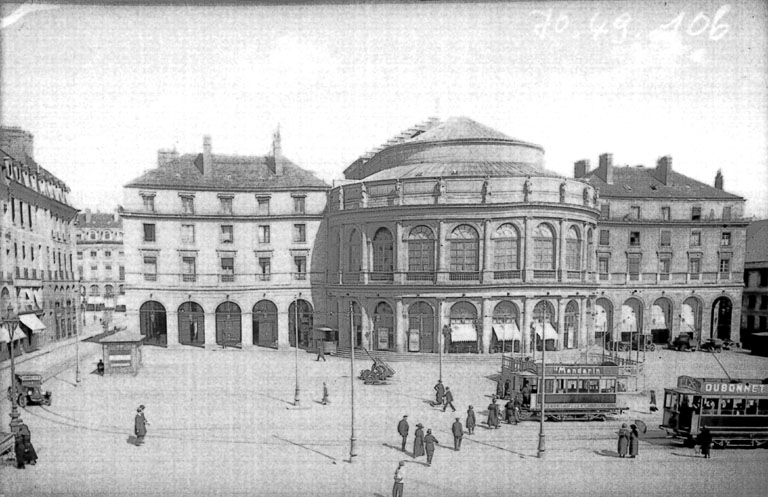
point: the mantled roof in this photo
(230, 172)
(639, 181)
(757, 242)
(99, 220)
(474, 168)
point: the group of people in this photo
(443, 396)
(629, 439)
(511, 411)
(25, 451)
(421, 443)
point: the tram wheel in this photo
(525, 415)
(599, 417)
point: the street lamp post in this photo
(10, 323)
(296, 328)
(542, 388)
(352, 439)
(77, 335)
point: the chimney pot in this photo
(277, 153)
(664, 168)
(606, 168)
(207, 156)
(581, 168)
(719, 180)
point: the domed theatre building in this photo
(454, 235)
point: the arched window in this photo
(590, 251)
(191, 324)
(265, 324)
(421, 254)
(506, 331)
(383, 252)
(571, 332)
(107, 235)
(384, 327)
(228, 325)
(304, 313)
(505, 251)
(152, 323)
(109, 291)
(354, 258)
(421, 328)
(464, 252)
(573, 250)
(544, 248)
(544, 325)
(95, 290)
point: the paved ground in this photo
(222, 424)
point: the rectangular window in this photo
(505, 254)
(263, 206)
(666, 238)
(187, 233)
(108, 267)
(695, 213)
(107, 253)
(299, 233)
(226, 205)
(602, 268)
(188, 269)
(300, 265)
(464, 256)
(265, 264)
(634, 212)
(150, 268)
(634, 238)
(694, 266)
(725, 239)
(605, 237)
(93, 253)
(764, 302)
(664, 267)
(149, 232)
(264, 233)
(726, 213)
(633, 268)
(605, 211)
(121, 273)
(227, 234)
(149, 203)
(751, 301)
(227, 269)
(94, 269)
(188, 204)
(80, 256)
(725, 266)
(665, 213)
(298, 205)
(80, 271)
(695, 238)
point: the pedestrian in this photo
(402, 429)
(516, 408)
(634, 440)
(19, 448)
(439, 393)
(418, 442)
(140, 425)
(458, 433)
(623, 440)
(397, 489)
(326, 400)
(448, 399)
(320, 350)
(526, 392)
(100, 367)
(509, 411)
(429, 444)
(493, 414)
(705, 440)
(507, 388)
(471, 420)
(30, 455)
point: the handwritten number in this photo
(561, 23)
(621, 23)
(718, 31)
(674, 24)
(597, 30)
(541, 28)
(700, 17)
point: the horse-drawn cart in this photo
(378, 374)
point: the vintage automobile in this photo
(29, 391)
(684, 342)
(639, 342)
(712, 345)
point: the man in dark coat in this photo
(439, 393)
(634, 439)
(471, 420)
(448, 399)
(526, 392)
(19, 448)
(516, 407)
(29, 450)
(509, 411)
(507, 388)
(402, 429)
(458, 433)
(705, 440)
(140, 425)
(429, 444)
(418, 442)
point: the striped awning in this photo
(507, 331)
(549, 332)
(463, 333)
(32, 322)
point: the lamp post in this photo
(542, 387)
(77, 333)
(296, 328)
(9, 322)
(352, 439)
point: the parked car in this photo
(29, 390)
(639, 342)
(684, 342)
(712, 345)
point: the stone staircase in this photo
(389, 356)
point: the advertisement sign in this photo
(383, 338)
(414, 341)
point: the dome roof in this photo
(460, 128)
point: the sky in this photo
(102, 88)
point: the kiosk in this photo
(122, 352)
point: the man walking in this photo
(320, 350)
(429, 444)
(471, 422)
(325, 395)
(439, 393)
(402, 429)
(140, 425)
(397, 490)
(448, 399)
(458, 433)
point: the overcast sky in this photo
(102, 88)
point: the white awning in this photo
(601, 319)
(687, 320)
(507, 331)
(658, 319)
(628, 319)
(32, 322)
(5, 337)
(463, 333)
(550, 333)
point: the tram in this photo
(734, 411)
(572, 391)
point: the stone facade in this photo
(755, 299)
(100, 260)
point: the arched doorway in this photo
(191, 324)
(152, 323)
(721, 318)
(661, 320)
(383, 327)
(421, 328)
(603, 320)
(571, 330)
(383, 256)
(690, 317)
(357, 323)
(543, 325)
(463, 330)
(631, 319)
(229, 332)
(506, 336)
(304, 314)
(265, 324)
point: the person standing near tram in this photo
(623, 440)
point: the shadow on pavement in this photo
(305, 447)
(607, 453)
(409, 454)
(687, 455)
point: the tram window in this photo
(751, 406)
(726, 406)
(582, 385)
(710, 406)
(607, 386)
(670, 401)
(549, 386)
(594, 385)
(696, 404)
(560, 386)
(571, 385)
(738, 406)
(762, 407)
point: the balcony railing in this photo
(188, 278)
(543, 273)
(421, 276)
(695, 276)
(150, 277)
(264, 277)
(464, 275)
(300, 276)
(573, 275)
(604, 276)
(382, 276)
(227, 278)
(506, 275)
(663, 276)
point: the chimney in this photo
(166, 156)
(605, 169)
(87, 216)
(207, 157)
(719, 180)
(664, 168)
(277, 153)
(581, 168)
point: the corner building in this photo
(455, 235)
(221, 250)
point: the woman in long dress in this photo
(140, 425)
(418, 442)
(493, 415)
(634, 440)
(623, 440)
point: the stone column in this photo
(561, 252)
(364, 255)
(366, 324)
(527, 320)
(401, 255)
(172, 326)
(246, 329)
(583, 323)
(487, 270)
(399, 324)
(342, 235)
(527, 272)
(561, 322)
(441, 245)
(487, 308)
(210, 328)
